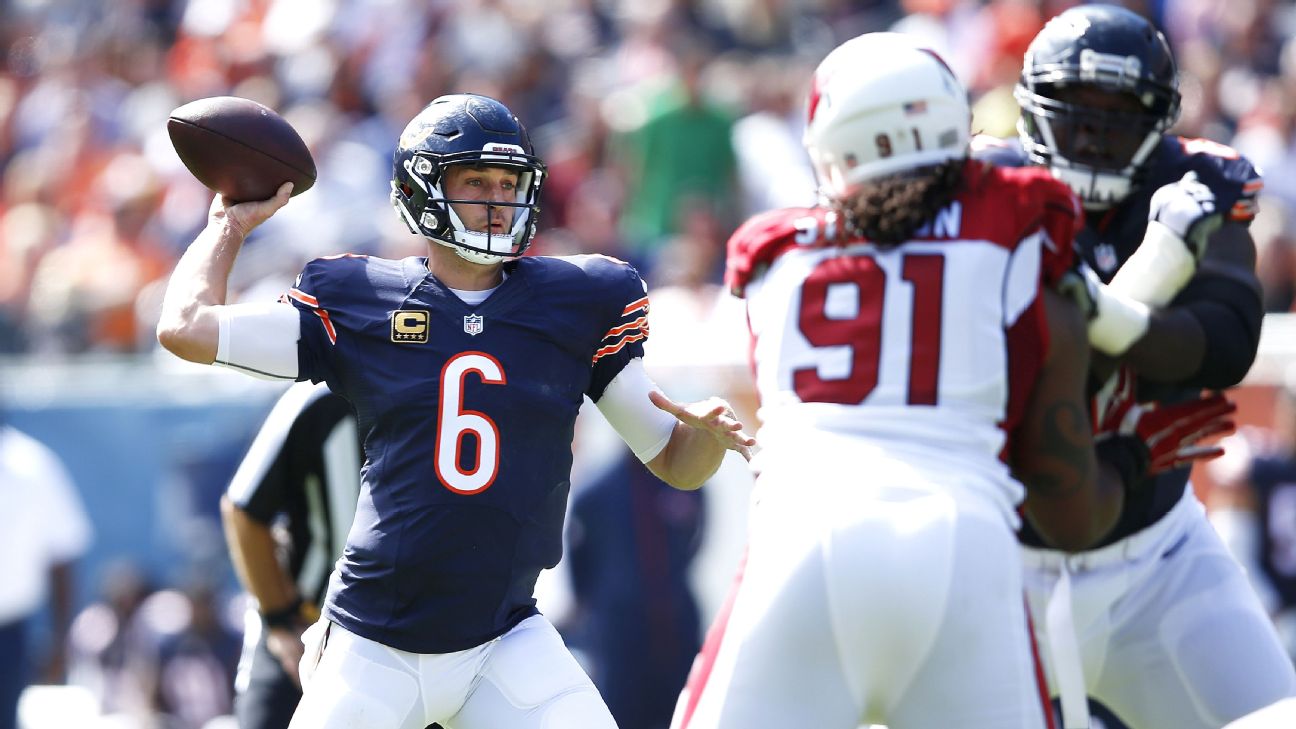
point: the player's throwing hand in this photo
(244, 216)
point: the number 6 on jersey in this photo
(454, 423)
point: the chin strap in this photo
(1096, 190)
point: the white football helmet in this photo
(882, 103)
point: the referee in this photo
(286, 514)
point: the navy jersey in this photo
(467, 415)
(1109, 238)
(1274, 482)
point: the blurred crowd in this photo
(156, 657)
(663, 122)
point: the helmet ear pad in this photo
(465, 129)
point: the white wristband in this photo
(1120, 322)
(1158, 268)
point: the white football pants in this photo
(876, 598)
(524, 679)
(1170, 633)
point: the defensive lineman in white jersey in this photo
(918, 376)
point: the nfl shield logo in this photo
(473, 324)
(1105, 257)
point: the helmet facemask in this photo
(420, 199)
(1099, 153)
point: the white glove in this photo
(1181, 218)
(1188, 209)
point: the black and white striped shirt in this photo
(302, 475)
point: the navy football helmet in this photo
(1098, 148)
(465, 129)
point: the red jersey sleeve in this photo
(1061, 219)
(1035, 202)
(763, 238)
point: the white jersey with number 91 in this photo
(929, 347)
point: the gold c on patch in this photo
(409, 327)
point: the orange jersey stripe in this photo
(304, 297)
(1243, 210)
(614, 348)
(640, 322)
(633, 305)
(313, 302)
(328, 325)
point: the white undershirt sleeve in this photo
(625, 404)
(259, 339)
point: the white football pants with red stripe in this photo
(878, 595)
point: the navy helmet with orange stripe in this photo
(465, 129)
(1098, 89)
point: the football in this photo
(240, 148)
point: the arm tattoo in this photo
(1064, 462)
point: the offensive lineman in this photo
(1169, 632)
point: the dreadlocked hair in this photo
(888, 210)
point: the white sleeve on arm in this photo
(260, 339)
(625, 404)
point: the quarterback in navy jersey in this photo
(431, 375)
(466, 369)
(1170, 287)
